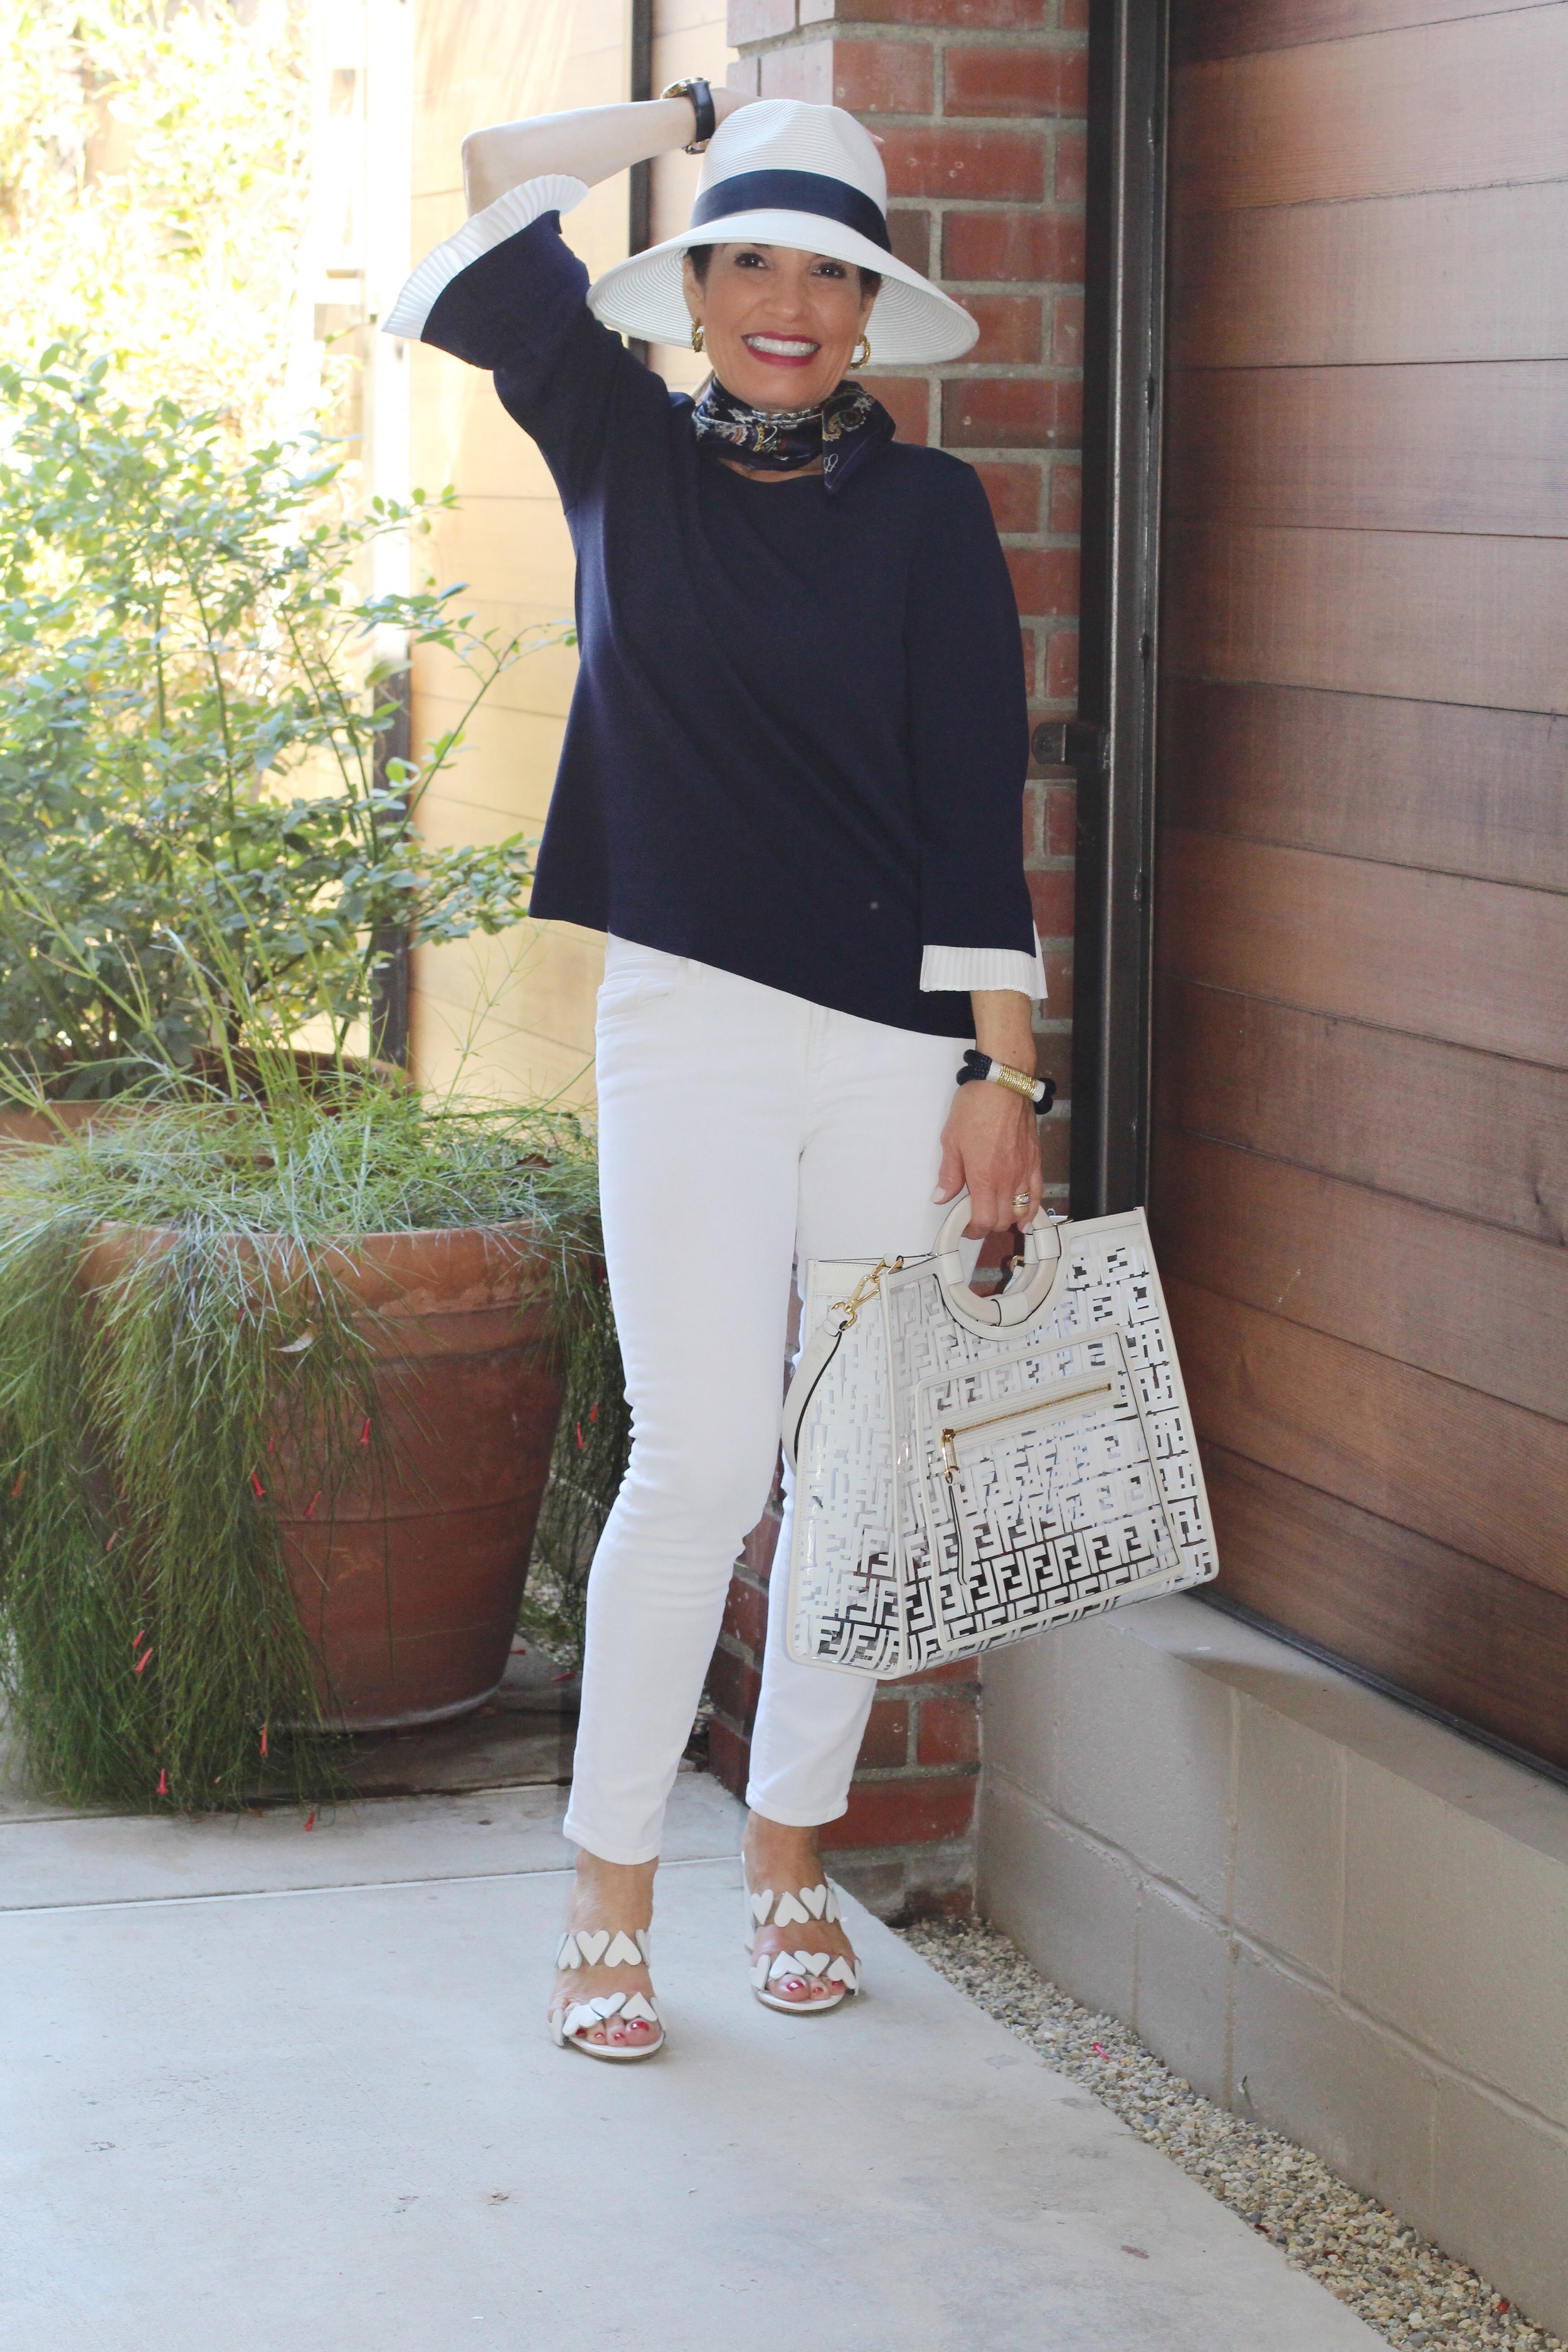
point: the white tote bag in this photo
(969, 1470)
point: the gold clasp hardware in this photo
(850, 1307)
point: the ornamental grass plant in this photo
(153, 1655)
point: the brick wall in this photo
(980, 107)
(906, 1845)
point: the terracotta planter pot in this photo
(313, 1069)
(410, 1592)
(18, 1125)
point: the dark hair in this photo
(699, 256)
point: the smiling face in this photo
(779, 327)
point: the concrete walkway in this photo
(272, 2089)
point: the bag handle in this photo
(1004, 1310)
(1020, 1302)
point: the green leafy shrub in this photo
(194, 702)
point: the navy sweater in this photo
(798, 744)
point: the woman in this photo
(790, 792)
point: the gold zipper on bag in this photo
(1029, 1411)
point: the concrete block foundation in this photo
(1324, 1910)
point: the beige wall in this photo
(522, 1007)
(690, 36)
(522, 1004)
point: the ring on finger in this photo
(1020, 1200)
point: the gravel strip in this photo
(1404, 2288)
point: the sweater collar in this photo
(848, 427)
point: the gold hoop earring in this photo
(697, 334)
(863, 354)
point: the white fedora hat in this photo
(779, 171)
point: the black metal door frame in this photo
(1112, 744)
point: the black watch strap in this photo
(701, 97)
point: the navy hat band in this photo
(792, 192)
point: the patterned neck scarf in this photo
(847, 428)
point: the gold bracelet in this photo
(1041, 1092)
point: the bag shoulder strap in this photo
(860, 1279)
(814, 1358)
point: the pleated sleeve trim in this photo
(967, 968)
(518, 209)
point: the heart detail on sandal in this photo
(570, 2029)
(803, 1964)
(837, 1976)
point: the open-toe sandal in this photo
(585, 1947)
(803, 1910)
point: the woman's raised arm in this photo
(592, 143)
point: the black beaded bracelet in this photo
(976, 1065)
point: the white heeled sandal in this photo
(588, 1947)
(765, 1909)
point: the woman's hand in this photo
(992, 1140)
(990, 1145)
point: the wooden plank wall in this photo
(1361, 1167)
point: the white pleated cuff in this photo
(556, 192)
(966, 968)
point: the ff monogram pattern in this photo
(957, 1489)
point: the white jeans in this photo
(738, 1126)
